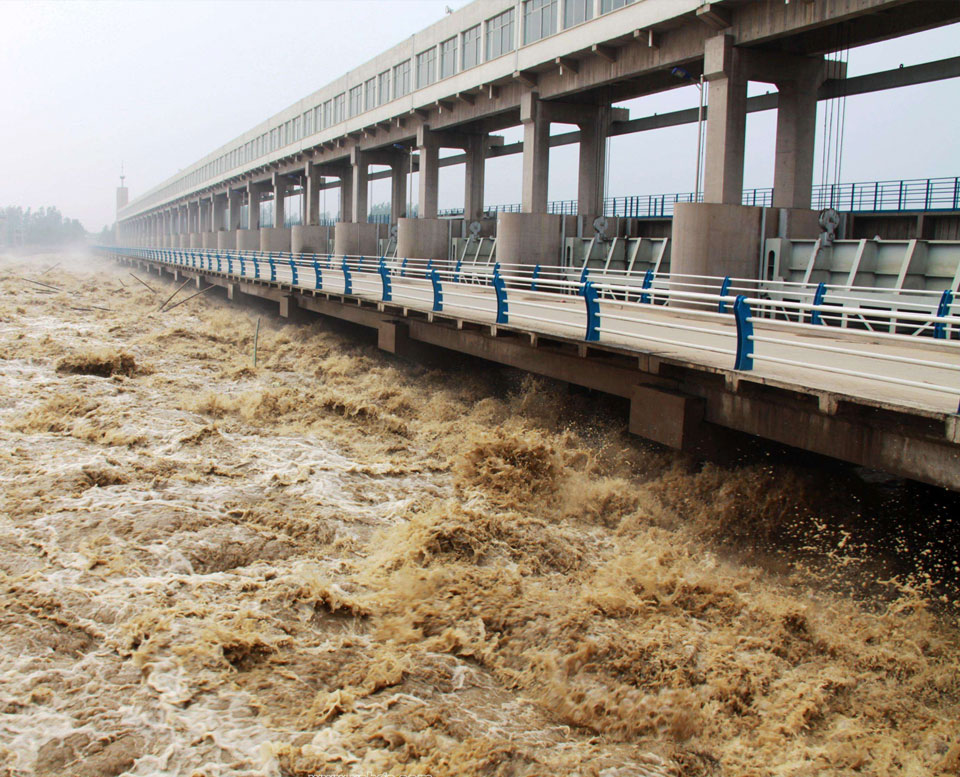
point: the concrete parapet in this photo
(309, 240)
(423, 238)
(355, 239)
(183, 240)
(528, 238)
(248, 239)
(209, 239)
(274, 239)
(195, 240)
(227, 239)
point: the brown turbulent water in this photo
(336, 563)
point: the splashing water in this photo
(337, 563)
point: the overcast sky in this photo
(157, 85)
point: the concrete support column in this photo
(536, 153)
(253, 205)
(474, 178)
(726, 122)
(234, 203)
(280, 185)
(312, 195)
(796, 138)
(429, 179)
(219, 203)
(593, 161)
(346, 195)
(398, 190)
(358, 203)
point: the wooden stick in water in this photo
(47, 285)
(143, 282)
(174, 294)
(49, 269)
(202, 291)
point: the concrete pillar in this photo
(593, 161)
(280, 185)
(398, 190)
(358, 204)
(312, 195)
(536, 153)
(796, 137)
(528, 238)
(253, 205)
(219, 205)
(234, 203)
(346, 195)
(423, 238)
(429, 180)
(726, 122)
(474, 178)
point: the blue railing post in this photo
(347, 280)
(387, 289)
(584, 273)
(294, 278)
(647, 283)
(273, 268)
(243, 267)
(591, 297)
(818, 297)
(317, 274)
(403, 268)
(724, 288)
(500, 288)
(743, 314)
(256, 267)
(229, 263)
(943, 310)
(456, 272)
(533, 278)
(437, 291)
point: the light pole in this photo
(684, 75)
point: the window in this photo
(308, 123)
(539, 19)
(274, 133)
(356, 100)
(401, 79)
(339, 104)
(471, 47)
(448, 58)
(383, 88)
(576, 11)
(328, 113)
(427, 67)
(500, 34)
(297, 129)
(612, 5)
(370, 94)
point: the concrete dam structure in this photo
(731, 311)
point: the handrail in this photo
(615, 310)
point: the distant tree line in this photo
(44, 226)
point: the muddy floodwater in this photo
(339, 563)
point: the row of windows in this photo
(456, 54)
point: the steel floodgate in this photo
(339, 563)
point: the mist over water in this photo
(339, 563)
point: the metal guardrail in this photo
(745, 321)
(916, 194)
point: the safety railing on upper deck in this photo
(738, 321)
(908, 194)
